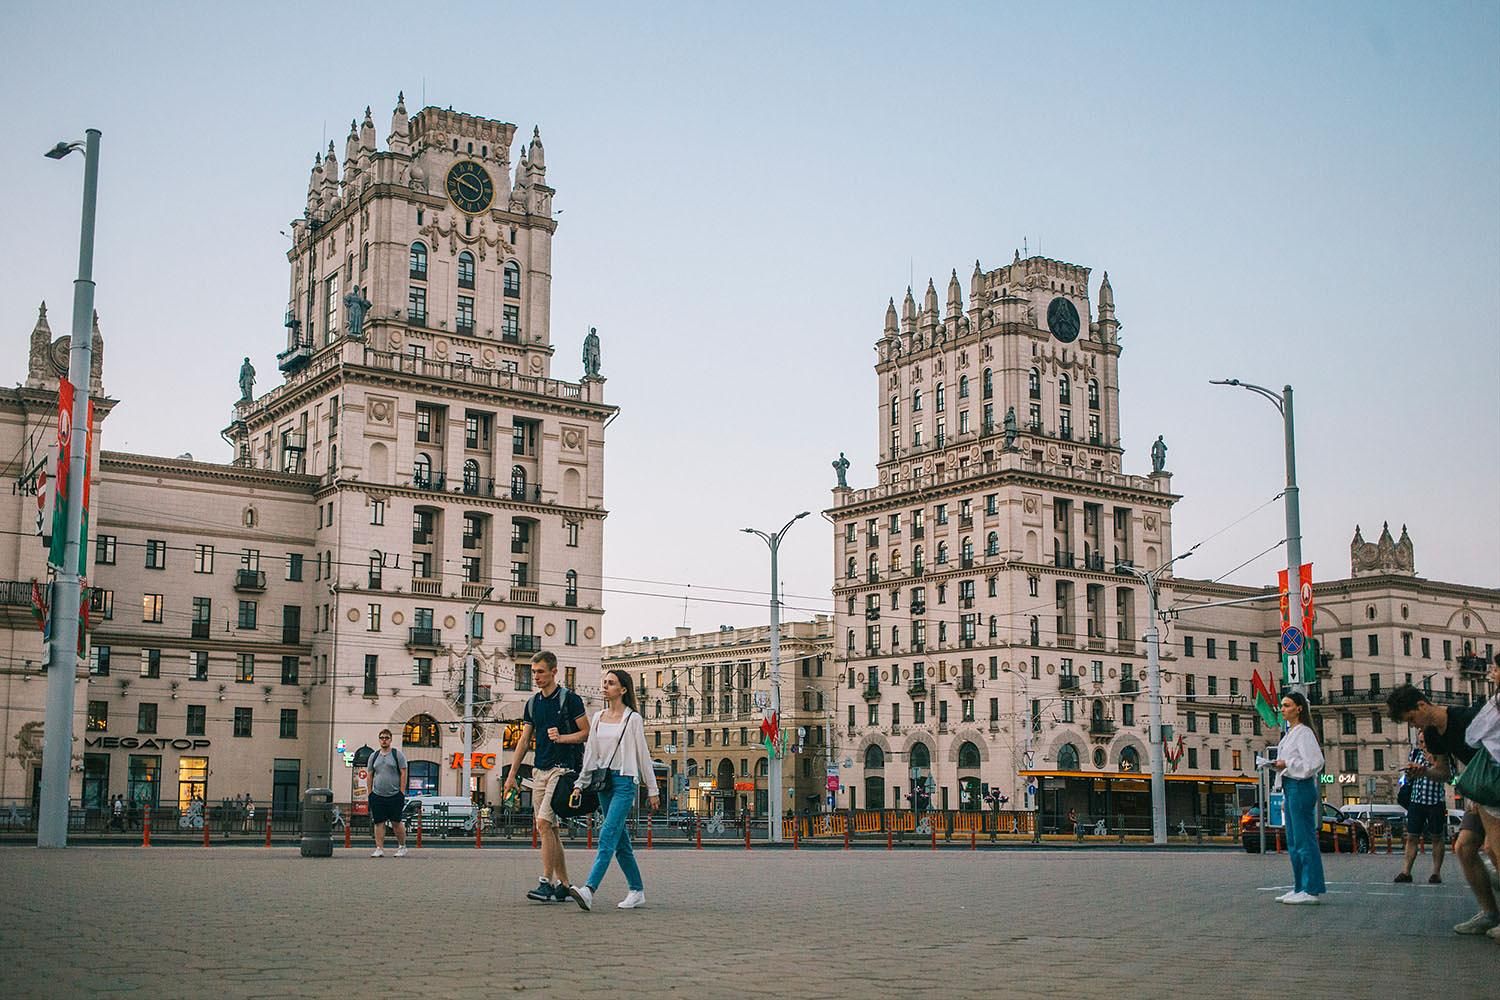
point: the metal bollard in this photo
(146, 829)
(478, 832)
(769, 821)
(268, 826)
(1387, 842)
(419, 824)
(796, 834)
(699, 824)
(973, 840)
(650, 846)
(933, 828)
(348, 821)
(848, 822)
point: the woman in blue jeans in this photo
(617, 744)
(1299, 761)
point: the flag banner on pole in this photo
(83, 531)
(1267, 704)
(1305, 572)
(40, 609)
(770, 726)
(60, 476)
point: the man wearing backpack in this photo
(387, 767)
(559, 721)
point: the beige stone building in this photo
(987, 626)
(418, 465)
(702, 695)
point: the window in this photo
(421, 674)
(294, 566)
(197, 719)
(1346, 647)
(102, 602)
(1213, 722)
(145, 717)
(570, 592)
(1347, 723)
(372, 675)
(1234, 649)
(245, 670)
(1426, 648)
(247, 615)
(1213, 760)
(572, 534)
(203, 559)
(331, 308)
(243, 720)
(416, 304)
(1255, 652)
(1374, 642)
(156, 554)
(98, 717)
(1351, 760)
(1187, 645)
(151, 608)
(570, 632)
(510, 324)
(1212, 650)
(1379, 759)
(466, 270)
(198, 661)
(150, 663)
(1192, 722)
(1034, 383)
(417, 261)
(465, 314)
(512, 278)
(104, 550)
(1127, 714)
(372, 618)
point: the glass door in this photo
(192, 791)
(95, 784)
(144, 788)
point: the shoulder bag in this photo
(1480, 780)
(570, 799)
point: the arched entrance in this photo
(874, 792)
(921, 773)
(724, 788)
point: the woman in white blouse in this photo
(1299, 761)
(617, 744)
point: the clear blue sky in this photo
(1280, 192)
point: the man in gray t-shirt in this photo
(387, 767)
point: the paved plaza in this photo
(1080, 922)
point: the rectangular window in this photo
(377, 512)
(1255, 652)
(102, 603)
(294, 566)
(331, 306)
(104, 550)
(247, 615)
(372, 618)
(1351, 760)
(202, 617)
(1374, 642)
(465, 314)
(1187, 645)
(197, 719)
(1379, 759)
(290, 669)
(1213, 760)
(198, 665)
(145, 717)
(372, 673)
(1192, 722)
(289, 723)
(98, 717)
(416, 305)
(510, 324)
(1127, 714)
(570, 632)
(244, 668)
(203, 559)
(1212, 649)
(1346, 647)
(422, 671)
(156, 554)
(1234, 649)
(1426, 648)
(1192, 758)
(151, 608)
(243, 720)
(150, 663)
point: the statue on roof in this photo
(247, 381)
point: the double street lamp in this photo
(773, 763)
(62, 670)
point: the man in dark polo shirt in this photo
(558, 719)
(1443, 731)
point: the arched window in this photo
(1130, 759)
(466, 270)
(963, 387)
(989, 384)
(966, 550)
(850, 644)
(420, 731)
(1034, 383)
(1093, 394)
(920, 756)
(517, 483)
(968, 755)
(1067, 757)
(690, 706)
(1064, 388)
(992, 544)
(916, 400)
(658, 708)
(853, 568)
(692, 767)
(874, 758)
(874, 566)
(421, 471)
(760, 768)
(994, 628)
(570, 594)
(895, 637)
(940, 397)
(874, 791)
(512, 280)
(896, 561)
(471, 476)
(916, 558)
(418, 261)
(942, 553)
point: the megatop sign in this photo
(131, 743)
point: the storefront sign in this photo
(132, 743)
(744, 786)
(1348, 779)
(477, 760)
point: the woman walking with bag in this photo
(616, 752)
(1299, 760)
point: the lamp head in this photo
(802, 515)
(748, 531)
(62, 149)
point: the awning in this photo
(1222, 779)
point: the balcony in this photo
(426, 587)
(475, 487)
(1101, 727)
(966, 520)
(1470, 664)
(1065, 432)
(434, 482)
(942, 728)
(1093, 561)
(917, 569)
(294, 440)
(1067, 682)
(871, 693)
(917, 688)
(531, 644)
(1130, 686)
(472, 591)
(966, 562)
(1369, 696)
(527, 494)
(201, 629)
(965, 684)
(298, 354)
(873, 538)
(524, 595)
(872, 614)
(1034, 426)
(423, 638)
(1095, 439)
(873, 576)
(1062, 560)
(251, 581)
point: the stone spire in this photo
(537, 158)
(351, 147)
(367, 132)
(908, 312)
(330, 180)
(399, 141)
(1106, 328)
(955, 297)
(890, 317)
(976, 284)
(315, 187)
(39, 363)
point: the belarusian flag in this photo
(1267, 704)
(83, 527)
(60, 477)
(770, 727)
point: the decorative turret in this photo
(537, 158)
(1384, 557)
(955, 298)
(367, 133)
(976, 285)
(39, 372)
(351, 150)
(520, 191)
(315, 187)
(399, 141)
(890, 317)
(908, 312)
(1108, 328)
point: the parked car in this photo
(447, 815)
(1335, 824)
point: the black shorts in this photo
(1428, 821)
(386, 808)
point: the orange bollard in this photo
(347, 821)
(650, 846)
(419, 828)
(478, 832)
(888, 845)
(973, 840)
(146, 829)
(796, 834)
(205, 832)
(268, 827)
(934, 836)
(847, 821)
(699, 825)
(769, 820)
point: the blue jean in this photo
(614, 839)
(1302, 804)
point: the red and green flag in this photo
(1267, 703)
(770, 733)
(65, 432)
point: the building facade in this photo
(419, 493)
(702, 694)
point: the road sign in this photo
(1291, 640)
(1294, 668)
(833, 783)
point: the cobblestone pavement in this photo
(184, 922)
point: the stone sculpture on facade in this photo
(1158, 456)
(1011, 429)
(841, 468)
(591, 354)
(247, 381)
(355, 308)
(1386, 556)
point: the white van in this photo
(441, 814)
(1378, 819)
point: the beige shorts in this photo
(542, 785)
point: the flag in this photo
(83, 529)
(60, 478)
(39, 609)
(770, 730)
(1266, 701)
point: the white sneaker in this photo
(401, 851)
(1302, 899)
(582, 895)
(377, 853)
(633, 899)
(1286, 895)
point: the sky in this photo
(1281, 193)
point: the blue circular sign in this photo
(1291, 640)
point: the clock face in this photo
(1062, 320)
(470, 187)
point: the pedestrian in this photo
(117, 813)
(1426, 813)
(132, 814)
(617, 746)
(247, 813)
(388, 772)
(1443, 729)
(1299, 760)
(556, 717)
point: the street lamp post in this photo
(773, 763)
(470, 676)
(1153, 679)
(62, 671)
(1283, 404)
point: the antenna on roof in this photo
(1025, 251)
(685, 606)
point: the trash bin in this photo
(317, 823)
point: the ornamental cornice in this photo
(578, 408)
(186, 469)
(1056, 484)
(331, 487)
